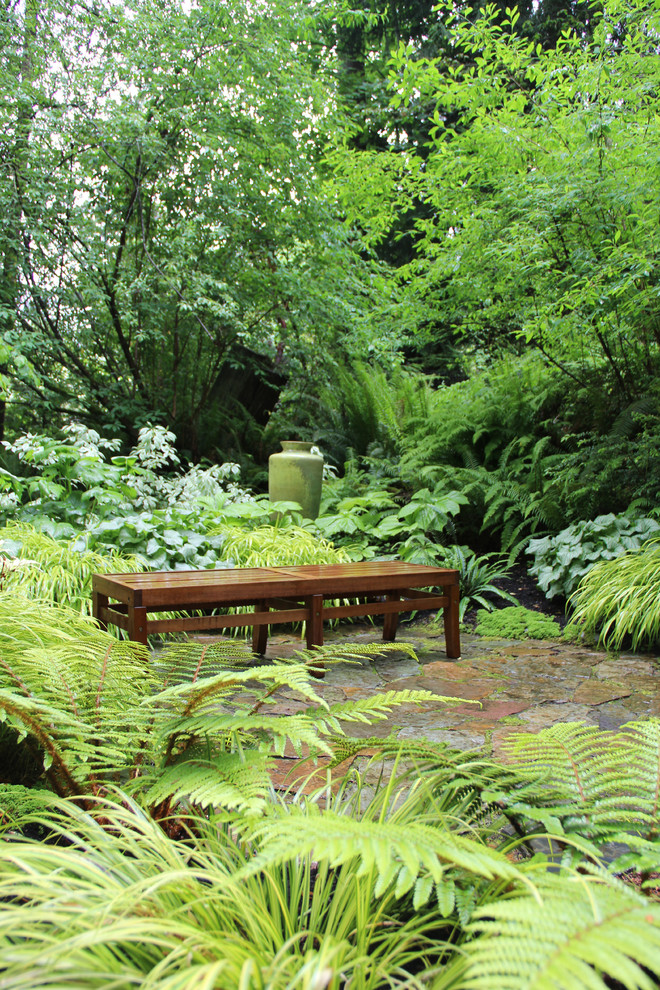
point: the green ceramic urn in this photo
(295, 474)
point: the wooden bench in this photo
(277, 594)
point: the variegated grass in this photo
(620, 599)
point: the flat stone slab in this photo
(505, 686)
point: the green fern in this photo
(193, 726)
(572, 935)
(406, 856)
(583, 781)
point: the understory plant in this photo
(412, 883)
(39, 566)
(275, 546)
(476, 577)
(619, 600)
(561, 561)
(378, 522)
(385, 862)
(193, 726)
(516, 622)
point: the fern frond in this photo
(598, 783)
(206, 691)
(187, 661)
(398, 854)
(273, 730)
(376, 707)
(579, 931)
(69, 751)
(228, 781)
(340, 652)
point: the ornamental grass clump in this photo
(620, 599)
(39, 566)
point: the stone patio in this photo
(517, 686)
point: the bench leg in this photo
(314, 629)
(391, 619)
(452, 623)
(260, 633)
(99, 609)
(137, 625)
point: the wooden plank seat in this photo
(310, 593)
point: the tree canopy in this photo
(163, 208)
(540, 187)
(195, 187)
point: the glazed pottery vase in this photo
(295, 474)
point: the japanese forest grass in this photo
(408, 886)
(197, 874)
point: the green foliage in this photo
(361, 412)
(561, 561)
(159, 278)
(408, 884)
(473, 422)
(516, 622)
(274, 546)
(620, 599)
(476, 577)
(38, 566)
(615, 469)
(157, 913)
(372, 523)
(134, 507)
(165, 539)
(194, 727)
(494, 437)
(526, 227)
(572, 933)
(583, 783)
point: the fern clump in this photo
(516, 622)
(195, 727)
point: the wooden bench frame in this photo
(277, 594)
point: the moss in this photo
(516, 622)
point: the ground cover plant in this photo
(41, 567)
(618, 599)
(516, 622)
(408, 885)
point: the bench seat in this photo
(310, 593)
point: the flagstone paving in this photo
(506, 686)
